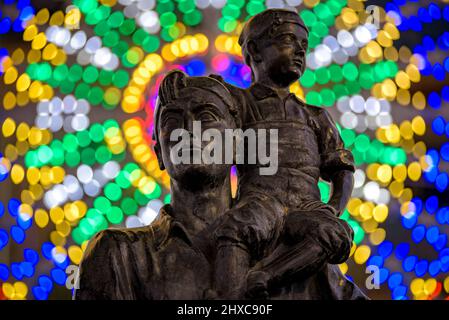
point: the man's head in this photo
(274, 44)
(183, 100)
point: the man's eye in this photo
(207, 116)
(170, 122)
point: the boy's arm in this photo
(337, 163)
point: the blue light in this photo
(446, 64)
(402, 250)
(46, 283)
(39, 293)
(16, 271)
(434, 11)
(444, 264)
(13, 207)
(424, 15)
(4, 272)
(5, 25)
(4, 238)
(409, 222)
(441, 181)
(418, 233)
(27, 269)
(445, 151)
(421, 268)
(434, 268)
(395, 280)
(418, 205)
(428, 43)
(445, 93)
(442, 215)
(438, 125)
(26, 223)
(441, 242)
(31, 256)
(438, 72)
(375, 261)
(409, 263)
(383, 275)
(434, 100)
(58, 276)
(432, 204)
(2, 209)
(46, 248)
(399, 293)
(432, 234)
(385, 249)
(17, 234)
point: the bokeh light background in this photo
(78, 86)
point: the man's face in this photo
(194, 104)
(283, 55)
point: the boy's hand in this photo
(332, 234)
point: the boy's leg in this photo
(244, 234)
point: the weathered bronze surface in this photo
(277, 239)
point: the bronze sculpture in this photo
(277, 239)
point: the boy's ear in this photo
(253, 51)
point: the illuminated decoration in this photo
(88, 78)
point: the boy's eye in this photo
(170, 122)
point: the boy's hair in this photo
(264, 24)
(177, 80)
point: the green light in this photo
(308, 17)
(105, 77)
(102, 154)
(120, 79)
(348, 137)
(152, 43)
(90, 75)
(88, 156)
(308, 78)
(193, 18)
(186, 6)
(327, 97)
(128, 26)
(122, 179)
(111, 39)
(75, 73)
(44, 154)
(95, 95)
(70, 142)
(67, 87)
(102, 28)
(81, 91)
(362, 143)
(96, 132)
(72, 159)
(116, 19)
(254, 8)
(129, 206)
(112, 191)
(313, 98)
(350, 71)
(335, 73)
(324, 191)
(102, 204)
(115, 215)
(83, 138)
(167, 198)
(322, 75)
(167, 19)
(359, 234)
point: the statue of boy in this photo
(286, 206)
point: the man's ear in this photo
(253, 51)
(157, 151)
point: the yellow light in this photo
(419, 125)
(41, 218)
(362, 254)
(380, 213)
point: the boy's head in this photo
(274, 44)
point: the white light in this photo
(80, 122)
(371, 191)
(56, 106)
(345, 38)
(147, 215)
(372, 106)
(359, 178)
(69, 104)
(102, 57)
(146, 4)
(218, 4)
(92, 45)
(84, 173)
(357, 104)
(133, 222)
(348, 120)
(111, 169)
(92, 189)
(78, 40)
(202, 4)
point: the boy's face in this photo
(283, 55)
